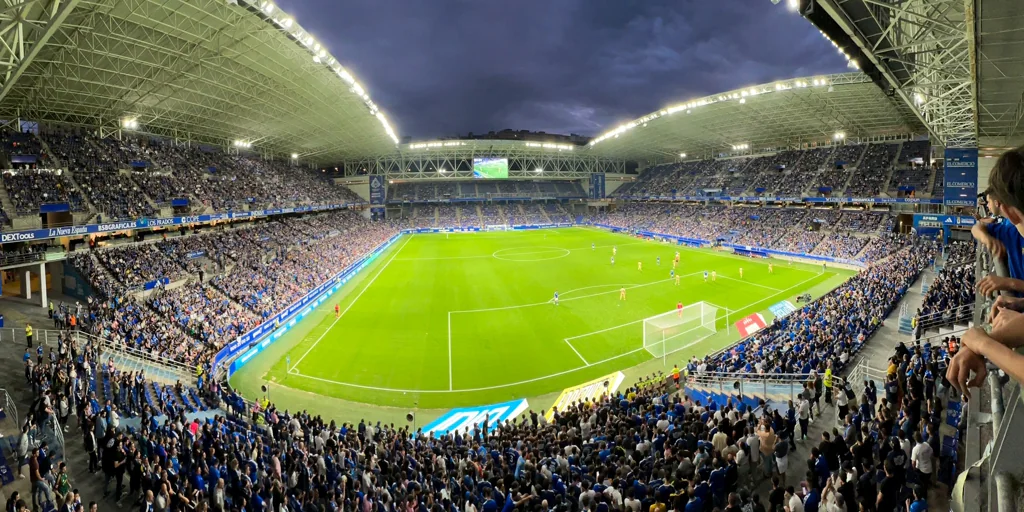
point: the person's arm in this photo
(994, 245)
(996, 351)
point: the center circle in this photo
(526, 254)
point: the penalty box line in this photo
(770, 297)
(545, 303)
(535, 379)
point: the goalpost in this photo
(673, 331)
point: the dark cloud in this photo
(445, 67)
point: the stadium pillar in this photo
(26, 284)
(42, 284)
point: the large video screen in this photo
(490, 168)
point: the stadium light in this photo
(130, 123)
(918, 98)
(793, 5)
(743, 100)
(295, 156)
(682, 155)
(538, 170)
(243, 144)
(839, 136)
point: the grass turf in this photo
(465, 319)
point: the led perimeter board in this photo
(489, 168)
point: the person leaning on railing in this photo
(1004, 243)
(1006, 186)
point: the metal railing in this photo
(955, 315)
(126, 358)
(992, 470)
(10, 408)
(767, 386)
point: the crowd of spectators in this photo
(30, 188)
(828, 331)
(645, 447)
(123, 178)
(838, 168)
(215, 286)
(869, 178)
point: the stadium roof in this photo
(777, 115)
(1000, 73)
(211, 71)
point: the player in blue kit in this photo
(705, 276)
(555, 300)
(659, 261)
(613, 261)
(592, 246)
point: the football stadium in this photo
(778, 269)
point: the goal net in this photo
(673, 331)
(497, 227)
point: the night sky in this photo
(446, 67)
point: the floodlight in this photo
(793, 5)
(130, 123)
(918, 98)
(682, 155)
(839, 136)
(743, 100)
(268, 7)
(538, 170)
(295, 156)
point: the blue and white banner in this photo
(109, 227)
(464, 419)
(792, 199)
(782, 309)
(597, 182)
(961, 177)
(378, 190)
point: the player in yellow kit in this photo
(640, 266)
(622, 293)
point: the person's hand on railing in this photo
(992, 283)
(962, 365)
(1004, 303)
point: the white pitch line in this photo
(751, 283)
(350, 304)
(566, 340)
(442, 258)
(294, 370)
(535, 379)
(569, 299)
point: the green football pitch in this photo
(467, 319)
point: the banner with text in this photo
(597, 183)
(750, 324)
(961, 177)
(592, 390)
(378, 190)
